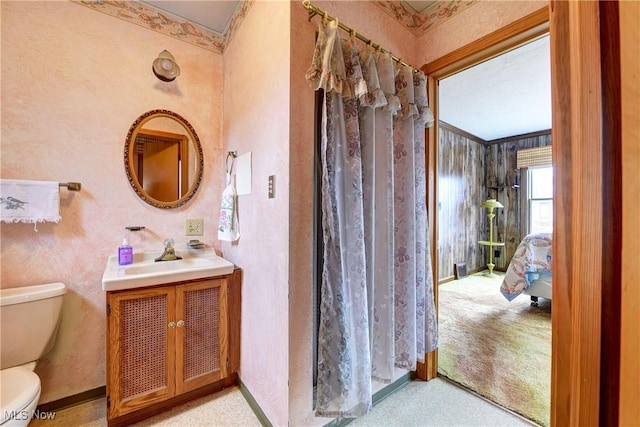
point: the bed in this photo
(529, 271)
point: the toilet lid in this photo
(19, 388)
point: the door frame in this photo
(577, 155)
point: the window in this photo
(540, 199)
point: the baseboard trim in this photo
(253, 404)
(76, 399)
(378, 397)
(469, 273)
(446, 280)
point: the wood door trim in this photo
(629, 410)
(578, 213)
(429, 369)
(506, 38)
(524, 30)
(612, 228)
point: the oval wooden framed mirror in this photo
(163, 159)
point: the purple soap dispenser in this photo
(125, 252)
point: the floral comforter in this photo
(533, 258)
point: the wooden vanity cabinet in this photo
(166, 341)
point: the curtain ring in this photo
(325, 18)
(370, 47)
(352, 33)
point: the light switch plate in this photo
(194, 227)
(272, 186)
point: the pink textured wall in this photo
(256, 119)
(477, 21)
(73, 82)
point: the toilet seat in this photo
(20, 387)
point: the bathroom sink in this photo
(144, 271)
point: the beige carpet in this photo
(499, 349)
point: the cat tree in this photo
(491, 204)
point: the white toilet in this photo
(29, 318)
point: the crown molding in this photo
(145, 15)
(421, 22)
(170, 25)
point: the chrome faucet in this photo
(169, 253)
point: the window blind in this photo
(538, 156)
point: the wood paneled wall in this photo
(501, 176)
(460, 193)
(469, 172)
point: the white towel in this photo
(228, 227)
(29, 201)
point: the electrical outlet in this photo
(193, 227)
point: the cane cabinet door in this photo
(141, 356)
(201, 334)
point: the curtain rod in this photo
(314, 10)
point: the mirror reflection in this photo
(163, 159)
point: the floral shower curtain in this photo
(376, 305)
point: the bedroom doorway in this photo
(588, 387)
(479, 168)
(494, 142)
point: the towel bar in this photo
(71, 186)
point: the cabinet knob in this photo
(180, 323)
(172, 324)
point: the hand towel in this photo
(228, 227)
(29, 201)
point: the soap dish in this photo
(196, 244)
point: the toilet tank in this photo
(29, 318)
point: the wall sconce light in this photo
(165, 67)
